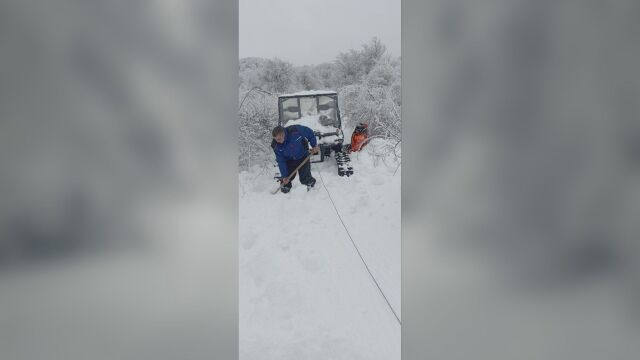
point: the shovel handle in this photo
(292, 173)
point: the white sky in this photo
(315, 31)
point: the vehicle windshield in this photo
(321, 107)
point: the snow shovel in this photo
(292, 173)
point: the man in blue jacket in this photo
(291, 146)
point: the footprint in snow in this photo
(258, 280)
(284, 245)
(286, 326)
(377, 180)
(310, 262)
(339, 349)
(286, 321)
(248, 243)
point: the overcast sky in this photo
(315, 31)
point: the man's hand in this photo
(315, 149)
(284, 181)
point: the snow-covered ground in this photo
(304, 291)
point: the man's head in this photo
(278, 134)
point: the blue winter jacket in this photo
(294, 147)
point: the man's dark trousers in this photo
(304, 171)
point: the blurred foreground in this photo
(521, 227)
(112, 226)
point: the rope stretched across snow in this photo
(358, 252)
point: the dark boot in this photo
(311, 183)
(305, 175)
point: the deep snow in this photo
(304, 291)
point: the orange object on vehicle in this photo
(359, 137)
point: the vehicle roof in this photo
(309, 93)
